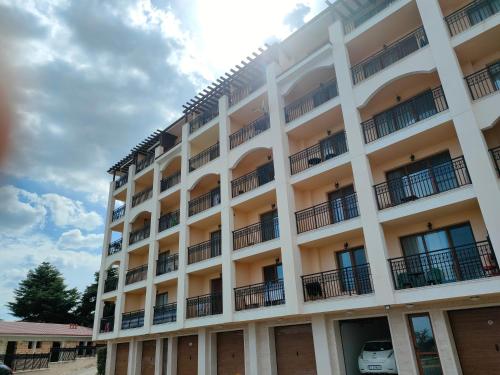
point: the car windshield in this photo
(378, 346)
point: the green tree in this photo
(44, 297)
(86, 306)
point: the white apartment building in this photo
(330, 206)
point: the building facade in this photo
(336, 195)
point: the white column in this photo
(336, 350)
(172, 356)
(159, 356)
(227, 220)
(203, 352)
(134, 357)
(444, 342)
(322, 346)
(292, 266)
(472, 142)
(110, 358)
(373, 232)
(251, 353)
(401, 343)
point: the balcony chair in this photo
(434, 276)
(314, 290)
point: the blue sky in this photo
(87, 80)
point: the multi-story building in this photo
(336, 189)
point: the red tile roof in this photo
(42, 329)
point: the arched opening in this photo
(254, 169)
(171, 174)
(140, 227)
(204, 194)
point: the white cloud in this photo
(75, 240)
(69, 213)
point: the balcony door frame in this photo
(358, 286)
(341, 194)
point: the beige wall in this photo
(251, 161)
(492, 136)
(198, 235)
(172, 167)
(245, 218)
(140, 220)
(200, 284)
(137, 259)
(309, 198)
(134, 301)
(248, 273)
(171, 289)
(470, 66)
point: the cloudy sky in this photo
(87, 81)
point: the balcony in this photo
(204, 202)
(327, 213)
(208, 304)
(407, 113)
(389, 55)
(144, 163)
(253, 180)
(313, 99)
(165, 313)
(237, 94)
(107, 324)
(362, 17)
(470, 15)
(484, 82)
(466, 262)
(118, 213)
(139, 235)
(168, 220)
(248, 132)
(204, 157)
(204, 250)
(142, 196)
(110, 284)
(170, 181)
(136, 274)
(167, 264)
(326, 149)
(262, 231)
(133, 319)
(495, 154)
(426, 182)
(203, 119)
(345, 281)
(121, 181)
(269, 293)
(115, 247)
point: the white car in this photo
(377, 357)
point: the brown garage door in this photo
(121, 363)
(477, 338)
(187, 355)
(230, 353)
(295, 350)
(148, 357)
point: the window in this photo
(354, 272)
(30, 344)
(161, 299)
(424, 345)
(38, 344)
(343, 204)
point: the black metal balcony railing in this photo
(253, 180)
(346, 281)
(249, 131)
(466, 262)
(204, 250)
(139, 235)
(110, 284)
(165, 313)
(262, 231)
(136, 274)
(495, 154)
(269, 293)
(484, 82)
(437, 179)
(144, 163)
(389, 55)
(204, 202)
(168, 220)
(121, 181)
(203, 119)
(133, 319)
(167, 264)
(170, 181)
(311, 100)
(237, 94)
(204, 157)
(362, 17)
(107, 324)
(142, 196)
(407, 113)
(327, 149)
(327, 213)
(471, 14)
(118, 213)
(115, 247)
(209, 304)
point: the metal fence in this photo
(208, 304)
(252, 180)
(118, 213)
(248, 132)
(136, 274)
(165, 313)
(115, 246)
(204, 250)
(26, 362)
(262, 231)
(139, 234)
(142, 196)
(167, 264)
(204, 157)
(495, 154)
(471, 14)
(170, 181)
(144, 163)
(269, 293)
(168, 220)
(203, 119)
(107, 324)
(484, 82)
(133, 319)
(204, 202)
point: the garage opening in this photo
(148, 357)
(121, 364)
(295, 350)
(367, 346)
(230, 353)
(187, 355)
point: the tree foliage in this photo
(86, 306)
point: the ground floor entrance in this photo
(230, 353)
(295, 350)
(187, 355)
(148, 357)
(121, 364)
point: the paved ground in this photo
(84, 366)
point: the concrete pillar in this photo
(172, 356)
(134, 357)
(401, 343)
(336, 350)
(110, 358)
(373, 232)
(292, 266)
(472, 142)
(444, 342)
(159, 356)
(320, 331)
(203, 352)
(251, 353)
